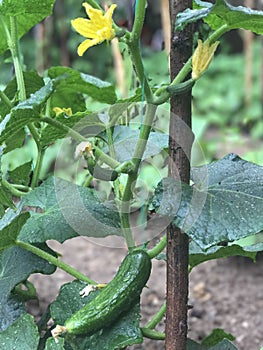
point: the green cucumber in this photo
(101, 173)
(117, 297)
(181, 88)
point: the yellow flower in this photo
(96, 29)
(58, 111)
(202, 57)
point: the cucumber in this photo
(117, 297)
(181, 88)
(101, 173)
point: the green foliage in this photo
(67, 211)
(224, 204)
(26, 335)
(27, 13)
(216, 337)
(222, 13)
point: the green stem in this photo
(12, 189)
(116, 183)
(157, 318)
(136, 160)
(13, 46)
(151, 334)
(55, 261)
(140, 9)
(137, 60)
(5, 99)
(158, 248)
(40, 156)
(134, 46)
(218, 33)
(78, 137)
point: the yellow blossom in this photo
(97, 28)
(202, 57)
(84, 148)
(58, 110)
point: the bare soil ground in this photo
(224, 294)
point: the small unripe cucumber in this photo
(101, 173)
(114, 299)
(181, 88)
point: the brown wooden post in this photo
(179, 166)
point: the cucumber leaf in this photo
(24, 113)
(125, 140)
(224, 204)
(67, 211)
(21, 174)
(216, 336)
(33, 82)
(11, 308)
(198, 256)
(9, 233)
(71, 80)
(225, 344)
(17, 264)
(51, 344)
(124, 332)
(84, 123)
(222, 13)
(21, 335)
(27, 13)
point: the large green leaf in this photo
(21, 335)
(11, 308)
(84, 123)
(33, 82)
(224, 204)
(27, 12)
(68, 211)
(53, 344)
(224, 345)
(9, 233)
(222, 13)
(21, 174)
(24, 113)
(216, 336)
(125, 140)
(71, 80)
(198, 256)
(16, 265)
(124, 332)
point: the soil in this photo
(226, 293)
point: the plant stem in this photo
(151, 334)
(158, 248)
(136, 160)
(157, 318)
(134, 46)
(78, 137)
(40, 156)
(12, 189)
(55, 261)
(13, 46)
(5, 99)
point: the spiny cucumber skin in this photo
(181, 88)
(101, 173)
(117, 297)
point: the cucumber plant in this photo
(97, 149)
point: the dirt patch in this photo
(224, 294)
